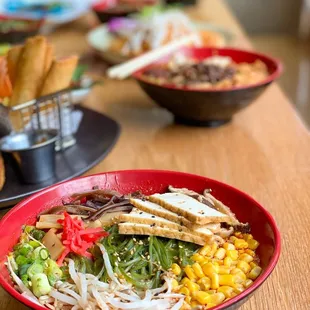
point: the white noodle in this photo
(107, 264)
(99, 300)
(62, 297)
(83, 292)
(70, 292)
(178, 305)
(126, 296)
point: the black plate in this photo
(95, 138)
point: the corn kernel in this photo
(205, 250)
(238, 234)
(213, 249)
(198, 270)
(185, 306)
(215, 262)
(184, 291)
(244, 266)
(241, 251)
(224, 270)
(192, 286)
(176, 269)
(215, 281)
(240, 277)
(205, 261)
(174, 283)
(226, 290)
(233, 254)
(220, 253)
(217, 298)
(197, 258)
(250, 252)
(227, 280)
(235, 270)
(247, 237)
(202, 297)
(210, 305)
(211, 292)
(241, 244)
(255, 272)
(252, 264)
(188, 299)
(194, 304)
(185, 280)
(248, 283)
(233, 238)
(238, 288)
(253, 244)
(209, 269)
(190, 273)
(204, 283)
(227, 261)
(228, 246)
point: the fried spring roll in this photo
(30, 71)
(59, 75)
(49, 56)
(12, 61)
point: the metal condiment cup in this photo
(34, 152)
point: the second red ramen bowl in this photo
(209, 107)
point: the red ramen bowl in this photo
(209, 107)
(246, 209)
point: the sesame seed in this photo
(116, 264)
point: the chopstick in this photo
(126, 69)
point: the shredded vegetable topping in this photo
(77, 239)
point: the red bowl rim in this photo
(271, 77)
(257, 283)
(37, 23)
(104, 8)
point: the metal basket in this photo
(48, 112)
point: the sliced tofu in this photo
(149, 230)
(156, 209)
(190, 208)
(141, 217)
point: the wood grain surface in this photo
(265, 152)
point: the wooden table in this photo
(265, 152)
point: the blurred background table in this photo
(264, 152)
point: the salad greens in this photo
(141, 260)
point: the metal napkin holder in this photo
(52, 111)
